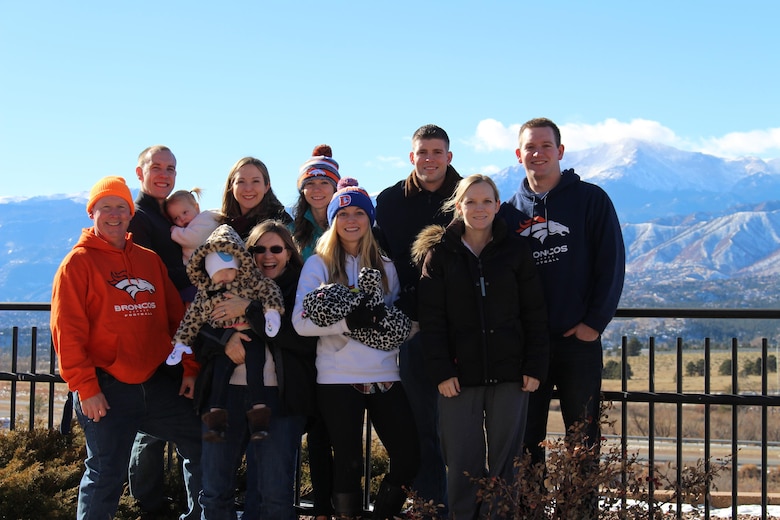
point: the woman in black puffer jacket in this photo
(484, 328)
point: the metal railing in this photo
(32, 375)
(708, 399)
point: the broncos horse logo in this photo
(131, 286)
(540, 228)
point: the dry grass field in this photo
(664, 379)
(664, 376)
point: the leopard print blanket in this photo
(332, 302)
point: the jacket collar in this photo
(456, 228)
(412, 185)
(148, 203)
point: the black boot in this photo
(389, 501)
(216, 421)
(258, 422)
(347, 506)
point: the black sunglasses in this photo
(260, 250)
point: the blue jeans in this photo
(153, 407)
(575, 369)
(431, 481)
(146, 473)
(271, 494)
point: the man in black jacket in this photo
(151, 228)
(402, 211)
(150, 225)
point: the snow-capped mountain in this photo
(741, 244)
(35, 234)
(650, 180)
(687, 218)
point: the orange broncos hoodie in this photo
(113, 309)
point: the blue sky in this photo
(87, 85)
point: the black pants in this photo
(223, 369)
(343, 408)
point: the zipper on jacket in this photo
(486, 380)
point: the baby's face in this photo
(181, 212)
(224, 276)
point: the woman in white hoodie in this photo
(353, 377)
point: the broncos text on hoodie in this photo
(114, 310)
(577, 244)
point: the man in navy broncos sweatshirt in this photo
(578, 247)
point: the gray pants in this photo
(481, 433)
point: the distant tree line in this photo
(612, 370)
(749, 368)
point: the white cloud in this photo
(759, 143)
(492, 135)
(577, 136)
(486, 169)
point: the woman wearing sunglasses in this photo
(289, 376)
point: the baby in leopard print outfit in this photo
(224, 265)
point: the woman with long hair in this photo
(353, 377)
(289, 376)
(317, 181)
(248, 198)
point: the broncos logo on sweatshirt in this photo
(131, 286)
(540, 228)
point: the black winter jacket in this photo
(243, 224)
(152, 229)
(483, 319)
(402, 211)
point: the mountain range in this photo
(687, 218)
(648, 181)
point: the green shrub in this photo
(695, 368)
(633, 347)
(40, 471)
(39, 474)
